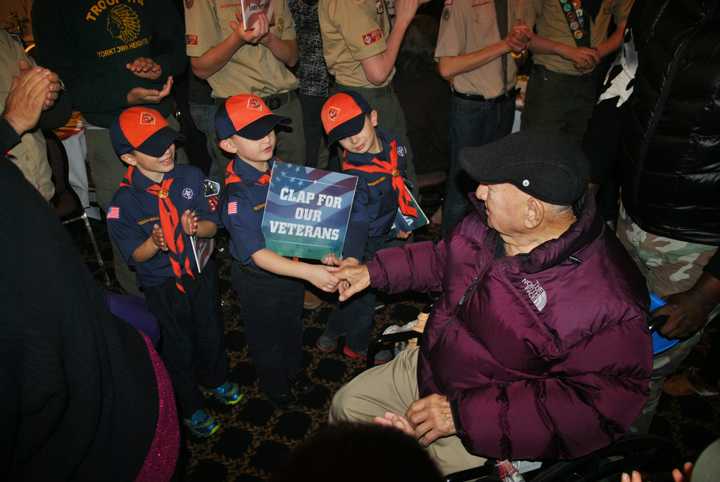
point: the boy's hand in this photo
(403, 234)
(322, 278)
(189, 221)
(158, 238)
(356, 276)
(145, 68)
(331, 260)
(254, 34)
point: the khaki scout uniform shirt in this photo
(550, 23)
(30, 155)
(353, 30)
(471, 25)
(253, 68)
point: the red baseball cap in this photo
(247, 116)
(343, 115)
(142, 129)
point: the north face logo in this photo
(147, 119)
(254, 104)
(536, 293)
(333, 113)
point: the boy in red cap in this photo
(379, 161)
(153, 219)
(269, 286)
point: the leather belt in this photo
(510, 94)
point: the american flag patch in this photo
(113, 212)
(232, 207)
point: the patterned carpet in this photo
(255, 438)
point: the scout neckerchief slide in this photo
(391, 168)
(578, 22)
(170, 226)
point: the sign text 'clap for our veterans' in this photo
(307, 211)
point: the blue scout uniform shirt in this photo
(133, 212)
(376, 202)
(242, 211)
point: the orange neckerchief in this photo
(388, 167)
(170, 225)
(231, 177)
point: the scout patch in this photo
(372, 37)
(232, 207)
(189, 4)
(446, 14)
(191, 39)
(113, 212)
(188, 193)
(379, 7)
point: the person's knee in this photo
(341, 403)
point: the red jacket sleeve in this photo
(412, 267)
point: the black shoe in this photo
(284, 401)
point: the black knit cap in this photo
(548, 166)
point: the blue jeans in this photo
(472, 123)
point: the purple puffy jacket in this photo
(549, 356)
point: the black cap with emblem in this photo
(548, 166)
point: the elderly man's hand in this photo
(354, 277)
(432, 418)
(30, 91)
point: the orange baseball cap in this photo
(247, 116)
(142, 129)
(343, 115)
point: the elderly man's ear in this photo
(534, 213)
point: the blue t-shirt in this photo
(133, 212)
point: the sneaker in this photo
(227, 393)
(326, 344)
(202, 424)
(383, 356)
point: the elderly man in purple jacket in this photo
(538, 347)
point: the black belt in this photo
(274, 101)
(510, 94)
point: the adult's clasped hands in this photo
(33, 90)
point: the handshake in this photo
(346, 276)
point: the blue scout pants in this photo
(192, 339)
(271, 307)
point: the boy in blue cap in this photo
(269, 287)
(378, 159)
(154, 219)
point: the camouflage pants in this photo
(669, 266)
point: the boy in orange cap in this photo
(152, 218)
(269, 286)
(379, 161)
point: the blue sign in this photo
(307, 211)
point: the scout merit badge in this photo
(577, 21)
(250, 9)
